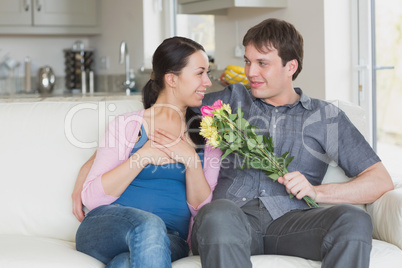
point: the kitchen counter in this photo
(98, 96)
(107, 90)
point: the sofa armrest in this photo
(386, 214)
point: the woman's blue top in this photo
(161, 190)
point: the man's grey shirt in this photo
(313, 131)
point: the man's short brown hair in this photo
(278, 34)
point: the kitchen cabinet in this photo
(220, 7)
(49, 17)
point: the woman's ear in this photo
(170, 80)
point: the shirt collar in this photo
(304, 100)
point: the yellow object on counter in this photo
(234, 74)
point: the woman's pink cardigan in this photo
(115, 148)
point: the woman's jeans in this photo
(122, 236)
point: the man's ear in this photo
(292, 66)
(170, 79)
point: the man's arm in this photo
(76, 195)
(367, 187)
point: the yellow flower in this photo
(209, 132)
(227, 108)
(206, 125)
(213, 139)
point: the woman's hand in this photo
(181, 150)
(177, 148)
(298, 185)
(77, 204)
(150, 154)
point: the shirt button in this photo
(276, 110)
(244, 199)
(274, 126)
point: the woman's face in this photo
(193, 80)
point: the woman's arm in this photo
(116, 181)
(211, 170)
(197, 188)
(113, 151)
(79, 182)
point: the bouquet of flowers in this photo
(233, 134)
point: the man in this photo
(250, 214)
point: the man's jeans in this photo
(128, 237)
(225, 235)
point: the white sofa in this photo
(42, 146)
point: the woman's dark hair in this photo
(278, 34)
(171, 57)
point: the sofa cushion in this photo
(386, 214)
(382, 255)
(43, 145)
(36, 252)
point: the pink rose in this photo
(207, 110)
(217, 104)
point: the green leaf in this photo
(288, 160)
(251, 144)
(227, 152)
(249, 131)
(234, 146)
(269, 143)
(274, 177)
(239, 113)
(259, 139)
(244, 123)
(268, 172)
(255, 164)
(229, 137)
(242, 167)
(221, 126)
(233, 117)
(236, 140)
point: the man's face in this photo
(269, 79)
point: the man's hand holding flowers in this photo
(297, 184)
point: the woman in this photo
(148, 175)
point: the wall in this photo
(43, 50)
(121, 20)
(308, 18)
(326, 70)
(338, 50)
